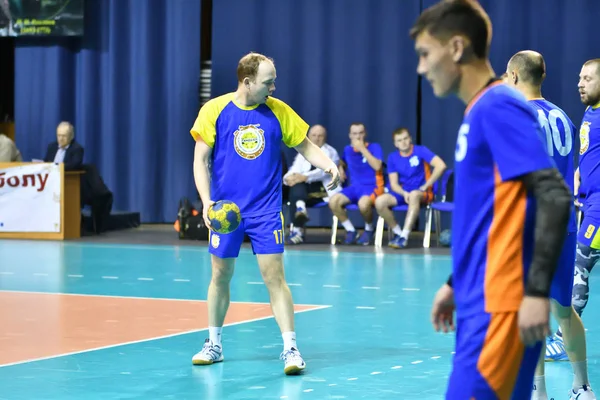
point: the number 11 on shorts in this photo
(278, 233)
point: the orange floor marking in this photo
(36, 325)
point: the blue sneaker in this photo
(350, 237)
(398, 242)
(555, 349)
(366, 238)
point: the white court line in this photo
(255, 283)
(371, 287)
(145, 279)
(75, 276)
(110, 277)
(181, 280)
(145, 340)
(317, 306)
(364, 308)
(406, 289)
(294, 284)
(332, 286)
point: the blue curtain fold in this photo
(129, 86)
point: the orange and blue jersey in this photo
(359, 170)
(413, 169)
(558, 135)
(498, 143)
(246, 155)
(364, 180)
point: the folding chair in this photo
(435, 209)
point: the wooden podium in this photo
(70, 208)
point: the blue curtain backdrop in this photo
(338, 61)
(130, 88)
(562, 31)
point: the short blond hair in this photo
(248, 66)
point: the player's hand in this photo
(406, 196)
(205, 208)
(335, 177)
(534, 317)
(442, 312)
(358, 145)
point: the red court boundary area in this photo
(44, 325)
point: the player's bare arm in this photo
(394, 185)
(439, 166)
(319, 159)
(202, 154)
(359, 145)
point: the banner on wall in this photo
(41, 17)
(30, 198)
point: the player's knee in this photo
(382, 202)
(335, 203)
(222, 273)
(273, 277)
(365, 203)
(560, 312)
(414, 198)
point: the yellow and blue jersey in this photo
(246, 155)
(589, 151)
(498, 142)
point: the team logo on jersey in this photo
(215, 240)
(584, 137)
(249, 141)
(414, 161)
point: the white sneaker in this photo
(293, 362)
(584, 393)
(210, 353)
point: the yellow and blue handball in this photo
(224, 216)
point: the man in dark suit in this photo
(65, 150)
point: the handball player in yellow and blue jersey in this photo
(239, 134)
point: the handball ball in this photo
(224, 216)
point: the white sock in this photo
(301, 206)
(539, 388)
(289, 340)
(297, 230)
(369, 227)
(581, 374)
(405, 233)
(214, 334)
(348, 226)
(397, 230)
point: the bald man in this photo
(526, 71)
(308, 184)
(65, 150)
